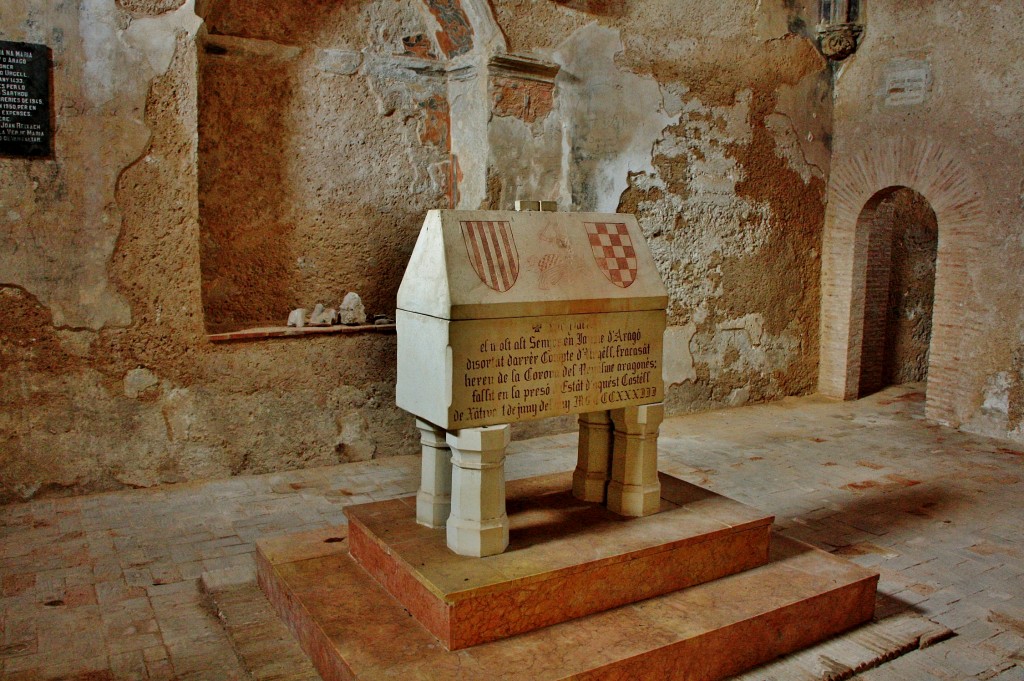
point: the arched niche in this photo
(859, 183)
(323, 139)
(899, 288)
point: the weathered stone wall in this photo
(710, 122)
(915, 241)
(932, 100)
(213, 175)
(106, 376)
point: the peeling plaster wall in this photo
(214, 175)
(711, 122)
(106, 377)
(956, 139)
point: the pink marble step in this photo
(566, 558)
(353, 628)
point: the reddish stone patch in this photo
(126, 594)
(455, 181)
(923, 589)
(83, 594)
(436, 122)
(755, 458)
(914, 396)
(15, 585)
(902, 481)
(1005, 620)
(1011, 452)
(830, 463)
(925, 511)
(864, 484)
(602, 7)
(446, 179)
(527, 100)
(818, 439)
(102, 675)
(860, 549)
(79, 557)
(996, 479)
(870, 464)
(988, 549)
(456, 34)
(418, 46)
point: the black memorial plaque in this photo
(24, 99)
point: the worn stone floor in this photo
(108, 586)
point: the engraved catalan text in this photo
(534, 367)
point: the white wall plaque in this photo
(906, 82)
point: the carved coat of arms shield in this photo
(492, 252)
(613, 250)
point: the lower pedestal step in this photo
(353, 628)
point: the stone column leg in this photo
(434, 498)
(590, 479)
(634, 489)
(478, 525)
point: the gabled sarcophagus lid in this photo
(506, 316)
(488, 264)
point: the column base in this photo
(434, 498)
(431, 510)
(478, 539)
(634, 501)
(589, 486)
(594, 455)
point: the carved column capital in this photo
(839, 41)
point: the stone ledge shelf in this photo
(265, 332)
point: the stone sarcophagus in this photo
(509, 316)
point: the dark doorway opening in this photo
(899, 289)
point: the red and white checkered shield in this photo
(492, 252)
(613, 251)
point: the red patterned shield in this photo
(613, 251)
(492, 252)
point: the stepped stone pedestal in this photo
(698, 590)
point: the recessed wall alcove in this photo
(918, 172)
(899, 288)
(312, 178)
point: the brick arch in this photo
(858, 183)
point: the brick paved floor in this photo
(107, 586)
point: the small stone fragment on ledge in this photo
(382, 320)
(323, 317)
(297, 318)
(317, 313)
(352, 311)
